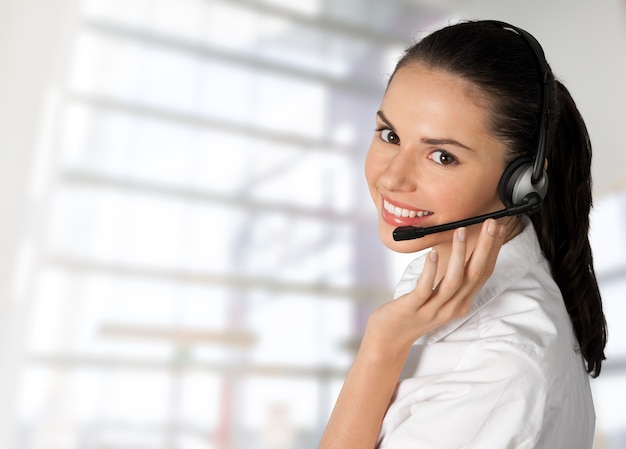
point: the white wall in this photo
(32, 48)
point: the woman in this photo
(495, 330)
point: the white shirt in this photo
(506, 375)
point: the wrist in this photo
(384, 353)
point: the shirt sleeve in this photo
(494, 398)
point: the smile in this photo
(403, 213)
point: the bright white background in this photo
(188, 251)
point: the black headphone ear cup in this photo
(516, 183)
(511, 180)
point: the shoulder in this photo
(523, 333)
(521, 285)
(528, 315)
(495, 395)
(512, 360)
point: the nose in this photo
(400, 174)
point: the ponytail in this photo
(563, 226)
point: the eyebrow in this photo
(382, 116)
(446, 142)
(429, 141)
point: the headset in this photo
(526, 176)
(524, 183)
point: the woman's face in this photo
(432, 159)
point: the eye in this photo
(443, 158)
(389, 136)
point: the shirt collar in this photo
(516, 258)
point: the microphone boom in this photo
(531, 204)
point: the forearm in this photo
(363, 400)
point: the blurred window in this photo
(210, 249)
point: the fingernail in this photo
(492, 227)
(433, 256)
(461, 234)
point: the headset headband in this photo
(544, 130)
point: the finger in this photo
(476, 270)
(455, 271)
(481, 263)
(426, 282)
(483, 259)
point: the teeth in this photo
(400, 212)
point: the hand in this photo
(393, 328)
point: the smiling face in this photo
(432, 159)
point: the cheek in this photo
(372, 171)
(476, 196)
